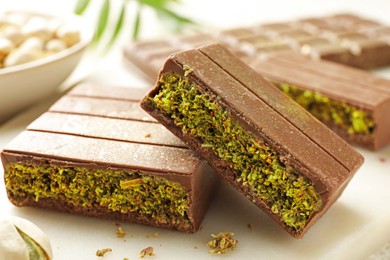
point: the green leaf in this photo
(137, 23)
(81, 6)
(174, 16)
(160, 7)
(157, 2)
(118, 25)
(103, 19)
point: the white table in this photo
(355, 227)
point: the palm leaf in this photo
(103, 19)
(81, 6)
(137, 23)
(160, 7)
(118, 25)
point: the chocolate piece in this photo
(263, 143)
(315, 25)
(352, 102)
(90, 155)
(273, 29)
(350, 21)
(259, 44)
(232, 36)
(295, 35)
(318, 48)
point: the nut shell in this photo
(12, 245)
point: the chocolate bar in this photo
(350, 101)
(264, 144)
(343, 38)
(97, 153)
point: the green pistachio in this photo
(222, 242)
(352, 119)
(158, 198)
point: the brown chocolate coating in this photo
(301, 142)
(101, 127)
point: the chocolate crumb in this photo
(222, 242)
(249, 226)
(120, 232)
(103, 251)
(148, 135)
(155, 235)
(382, 160)
(146, 252)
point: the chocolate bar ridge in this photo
(245, 131)
(97, 153)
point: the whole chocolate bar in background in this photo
(97, 153)
(350, 101)
(264, 144)
(342, 38)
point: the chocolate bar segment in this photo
(263, 143)
(86, 156)
(352, 102)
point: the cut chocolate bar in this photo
(352, 102)
(266, 145)
(97, 153)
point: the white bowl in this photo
(25, 84)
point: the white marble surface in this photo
(354, 228)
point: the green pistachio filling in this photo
(287, 193)
(349, 118)
(155, 197)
